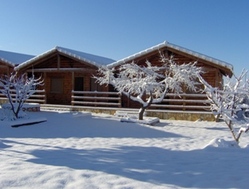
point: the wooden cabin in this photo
(64, 71)
(68, 77)
(5, 68)
(214, 70)
(8, 60)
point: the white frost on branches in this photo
(136, 81)
(228, 101)
(18, 89)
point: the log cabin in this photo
(64, 71)
(214, 71)
(68, 78)
(8, 60)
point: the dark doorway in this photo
(79, 84)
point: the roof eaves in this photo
(12, 58)
(7, 62)
(139, 54)
(30, 61)
(176, 47)
(201, 56)
(60, 49)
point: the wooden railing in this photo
(185, 102)
(182, 102)
(38, 97)
(95, 98)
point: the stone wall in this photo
(166, 115)
(189, 116)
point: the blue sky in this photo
(119, 28)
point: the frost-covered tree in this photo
(137, 82)
(18, 89)
(227, 102)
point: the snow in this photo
(90, 151)
(14, 58)
(90, 58)
(94, 59)
(176, 47)
(147, 121)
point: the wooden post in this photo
(120, 100)
(95, 99)
(58, 61)
(72, 94)
(184, 102)
(45, 98)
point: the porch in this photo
(190, 107)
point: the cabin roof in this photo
(82, 56)
(166, 44)
(13, 58)
(86, 56)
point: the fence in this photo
(94, 98)
(38, 97)
(184, 102)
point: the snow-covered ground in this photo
(79, 150)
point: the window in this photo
(56, 85)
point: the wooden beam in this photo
(3, 67)
(73, 80)
(58, 61)
(61, 70)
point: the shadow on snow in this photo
(66, 126)
(199, 168)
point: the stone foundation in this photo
(3, 101)
(189, 116)
(95, 110)
(167, 115)
(27, 107)
(31, 107)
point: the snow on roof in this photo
(86, 56)
(13, 58)
(176, 47)
(89, 58)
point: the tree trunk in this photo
(143, 108)
(229, 124)
(141, 113)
